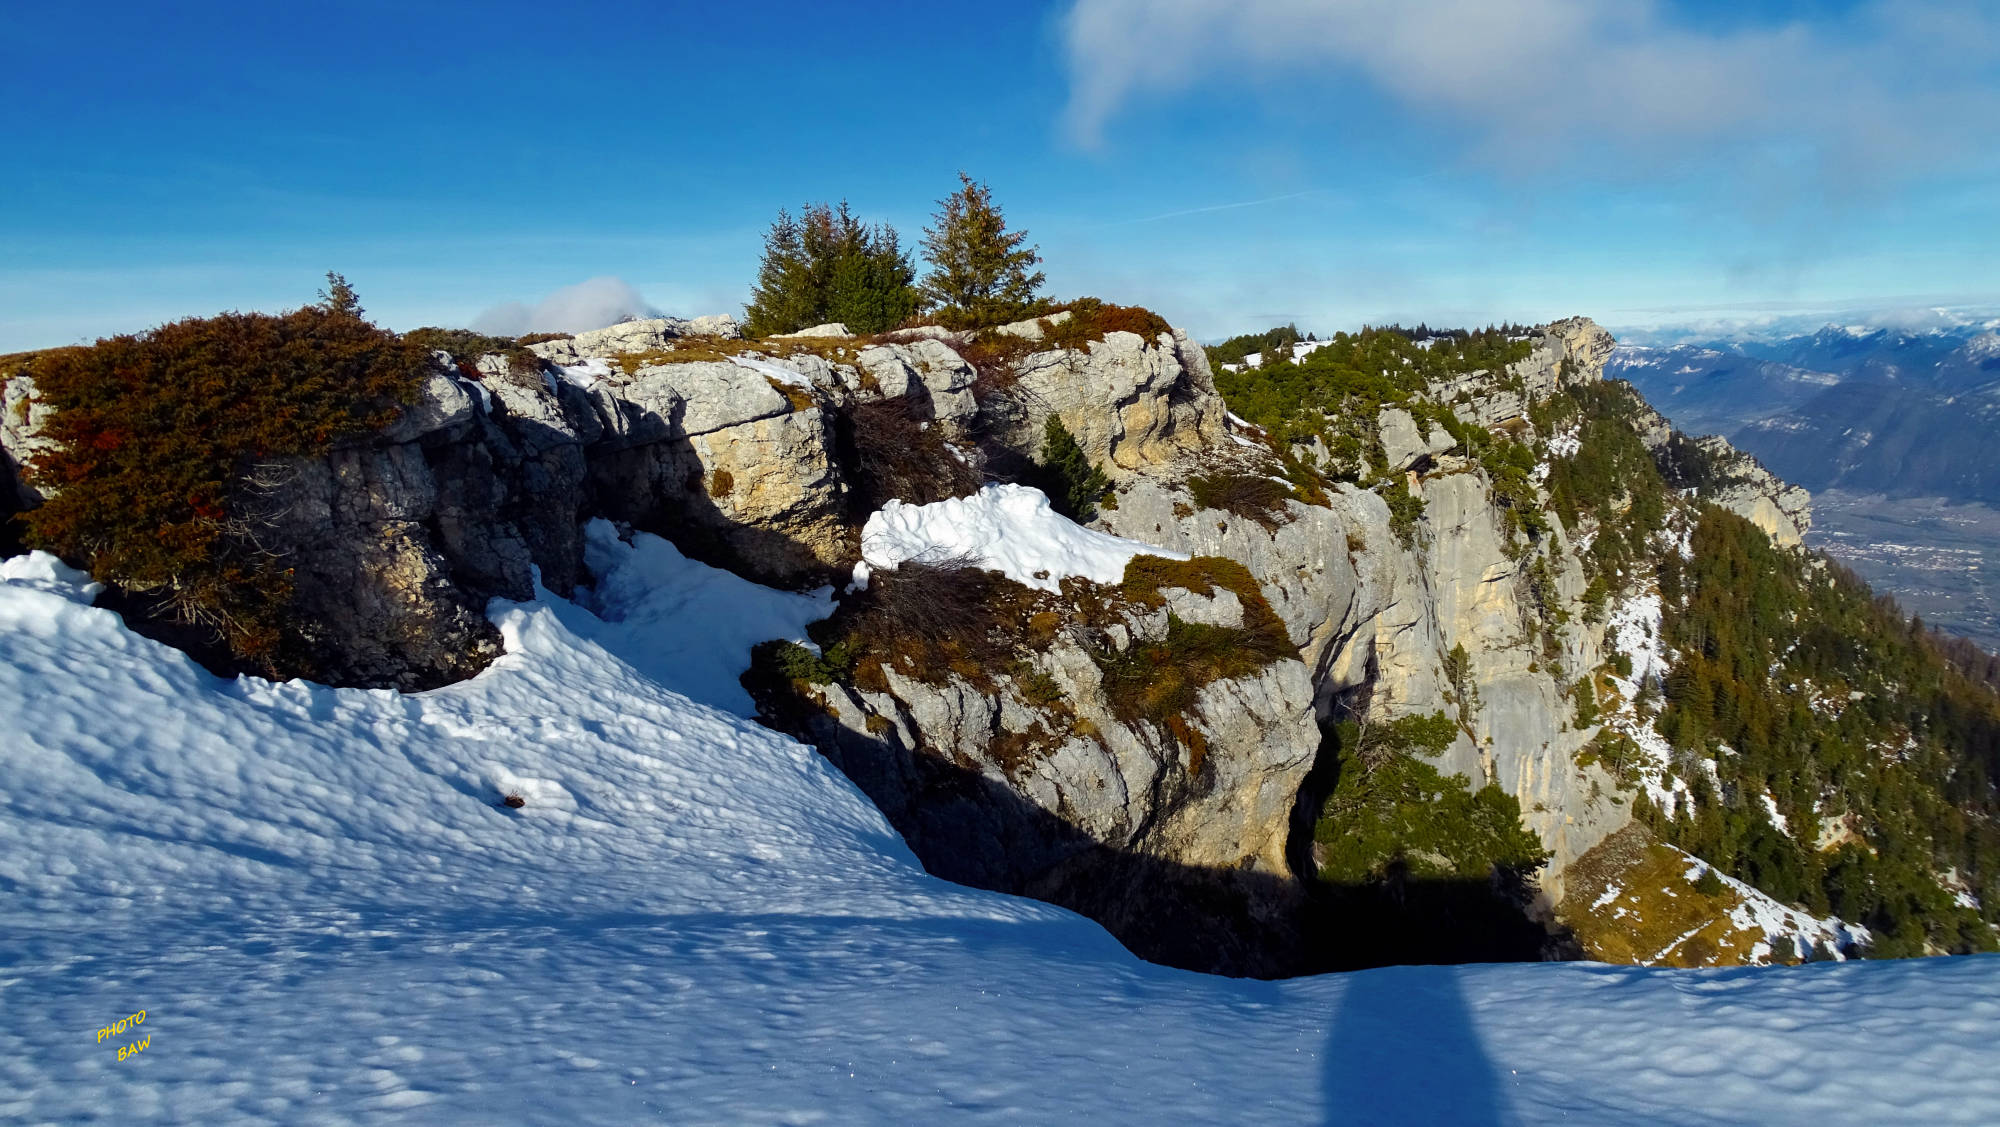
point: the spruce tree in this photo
(783, 298)
(1074, 485)
(827, 265)
(979, 269)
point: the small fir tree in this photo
(1074, 485)
(979, 269)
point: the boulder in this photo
(1034, 327)
(1070, 803)
(1405, 443)
(1130, 402)
(22, 419)
(830, 329)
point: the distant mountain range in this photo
(1863, 410)
(1893, 432)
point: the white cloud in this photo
(573, 309)
(1877, 89)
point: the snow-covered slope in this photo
(327, 916)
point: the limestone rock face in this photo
(1405, 443)
(1463, 588)
(1741, 484)
(1072, 804)
(22, 418)
(929, 372)
(1779, 509)
(1323, 570)
(442, 403)
(1130, 402)
(1565, 353)
(717, 456)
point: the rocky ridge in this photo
(1029, 778)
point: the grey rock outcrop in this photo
(1130, 402)
(1405, 444)
(634, 336)
(1780, 510)
(1322, 570)
(929, 371)
(830, 329)
(1035, 328)
(1130, 823)
(22, 419)
(1737, 482)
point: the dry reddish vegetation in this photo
(160, 436)
(1091, 319)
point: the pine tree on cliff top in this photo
(979, 269)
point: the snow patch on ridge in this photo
(777, 372)
(40, 571)
(1634, 630)
(1007, 528)
(585, 375)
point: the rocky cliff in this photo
(1144, 752)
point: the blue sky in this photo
(1232, 163)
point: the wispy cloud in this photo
(1878, 90)
(1186, 211)
(573, 309)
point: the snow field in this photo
(327, 917)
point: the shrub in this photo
(793, 662)
(1709, 883)
(1586, 704)
(1157, 681)
(1250, 496)
(459, 342)
(1406, 510)
(160, 439)
(932, 620)
(1091, 319)
(465, 347)
(996, 363)
(894, 456)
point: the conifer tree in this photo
(1074, 485)
(979, 269)
(827, 265)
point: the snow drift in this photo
(1007, 528)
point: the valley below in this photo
(1940, 559)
